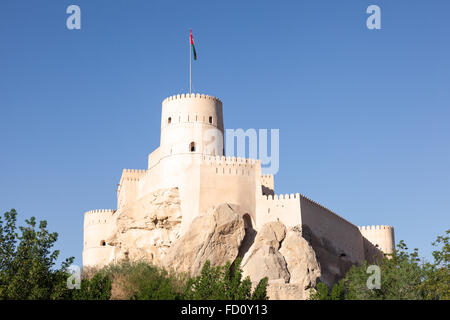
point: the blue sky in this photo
(363, 114)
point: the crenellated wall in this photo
(283, 208)
(229, 180)
(334, 232)
(127, 188)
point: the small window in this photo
(210, 119)
(169, 120)
(103, 243)
(192, 147)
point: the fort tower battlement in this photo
(192, 123)
(381, 236)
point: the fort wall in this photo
(284, 208)
(333, 231)
(127, 188)
(154, 157)
(229, 180)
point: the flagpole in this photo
(190, 65)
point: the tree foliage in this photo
(27, 265)
(27, 261)
(224, 283)
(96, 288)
(143, 281)
(403, 277)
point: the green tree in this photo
(27, 261)
(320, 292)
(403, 277)
(436, 285)
(224, 283)
(338, 291)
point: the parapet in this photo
(281, 196)
(100, 216)
(111, 211)
(380, 236)
(229, 161)
(191, 96)
(377, 227)
(132, 174)
(325, 208)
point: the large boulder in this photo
(302, 264)
(285, 258)
(215, 236)
(263, 259)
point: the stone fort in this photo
(190, 163)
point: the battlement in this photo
(133, 174)
(111, 211)
(325, 208)
(191, 96)
(281, 196)
(101, 216)
(230, 161)
(379, 238)
(377, 227)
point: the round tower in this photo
(382, 237)
(98, 227)
(191, 123)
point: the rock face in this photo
(215, 236)
(148, 228)
(263, 258)
(286, 258)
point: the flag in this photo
(193, 47)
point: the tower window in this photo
(192, 147)
(210, 119)
(103, 243)
(169, 120)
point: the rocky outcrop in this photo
(286, 258)
(263, 258)
(146, 230)
(215, 236)
(150, 230)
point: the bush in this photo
(143, 281)
(96, 288)
(224, 283)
